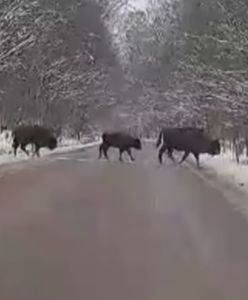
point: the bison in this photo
(188, 139)
(35, 135)
(122, 141)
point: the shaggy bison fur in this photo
(35, 135)
(188, 139)
(123, 141)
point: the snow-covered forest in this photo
(80, 66)
(56, 64)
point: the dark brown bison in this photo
(188, 139)
(122, 141)
(180, 129)
(37, 136)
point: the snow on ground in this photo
(225, 166)
(226, 176)
(65, 145)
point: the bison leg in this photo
(169, 153)
(161, 152)
(186, 154)
(120, 155)
(196, 155)
(15, 150)
(37, 150)
(105, 152)
(103, 149)
(130, 154)
(33, 150)
(15, 146)
(100, 151)
(23, 147)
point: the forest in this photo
(80, 66)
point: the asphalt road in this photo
(75, 228)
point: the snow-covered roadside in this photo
(226, 167)
(65, 145)
(223, 174)
(223, 166)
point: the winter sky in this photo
(139, 3)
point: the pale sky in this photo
(139, 3)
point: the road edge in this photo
(232, 192)
(60, 150)
(237, 197)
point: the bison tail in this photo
(159, 139)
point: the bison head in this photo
(215, 147)
(52, 144)
(137, 144)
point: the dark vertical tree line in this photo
(56, 63)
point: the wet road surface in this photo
(73, 227)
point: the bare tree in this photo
(51, 65)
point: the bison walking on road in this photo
(189, 140)
(123, 141)
(37, 136)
